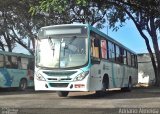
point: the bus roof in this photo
(16, 54)
(95, 30)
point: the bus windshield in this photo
(62, 51)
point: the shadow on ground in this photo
(138, 92)
(16, 91)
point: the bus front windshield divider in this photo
(52, 45)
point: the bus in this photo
(16, 70)
(79, 57)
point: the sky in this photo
(127, 35)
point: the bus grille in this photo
(62, 79)
(58, 84)
(69, 73)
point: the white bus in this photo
(78, 57)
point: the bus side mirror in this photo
(95, 61)
(96, 42)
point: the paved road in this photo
(80, 102)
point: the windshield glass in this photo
(62, 51)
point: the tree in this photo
(144, 14)
(17, 24)
(146, 17)
(69, 11)
(11, 14)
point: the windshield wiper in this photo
(52, 45)
(73, 38)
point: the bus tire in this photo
(62, 93)
(23, 85)
(129, 87)
(105, 85)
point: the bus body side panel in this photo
(134, 76)
(95, 77)
(12, 77)
(4, 78)
(118, 75)
(98, 71)
(129, 72)
(16, 75)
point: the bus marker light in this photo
(79, 85)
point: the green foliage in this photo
(17, 24)
(145, 14)
(83, 11)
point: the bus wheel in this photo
(129, 87)
(23, 85)
(62, 93)
(105, 85)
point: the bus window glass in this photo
(121, 55)
(14, 62)
(1, 61)
(111, 51)
(133, 60)
(129, 58)
(136, 61)
(62, 52)
(118, 57)
(31, 64)
(24, 63)
(8, 61)
(124, 57)
(94, 49)
(104, 49)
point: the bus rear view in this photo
(62, 59)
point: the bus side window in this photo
(1, 61)
(136, 62)
(24, 63)
(19, 62)
(132, 60)
(121, 55)
(111, 51)
(129, 58)
(11, 62)
(103, 49)
(14, 62)
(95, 46)
(118, 56)
(125, 57)
(30, 64)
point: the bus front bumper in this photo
(60, 86)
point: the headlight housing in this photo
(81, 76)
(40, 77)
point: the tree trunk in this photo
(152, 58)
(157, 54)
(156, 49)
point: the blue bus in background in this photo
(16, 70)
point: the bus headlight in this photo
(81, 76)
(40, 77)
